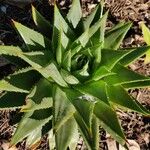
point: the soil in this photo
(136, 127)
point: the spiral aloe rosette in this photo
(71, 76)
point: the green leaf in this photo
(70, 79)
(89, 32)
(61, 24)
(114, 38)
(75, 13)
(27, 126)
(99, 34)
(100, 73)
(108, 120)
(63, 109)
(12, 100)
(59, 48)
(51, 140)
(87, 22)
(96, 51)
(139, 84)
(67, 60)
(33, 137)
(65, 134)
(33, 58)
(51, 72)
(88, 134)
(146, 34)
(40, 61)
(82, 74)
(124, 100)
(74, 141)
(94, 16)
(124, 75)
(110, 57)
(33, 120)
(56, 39)
(76, 49)
(98, 28)
(120, 24)
(6, 86)
(32, 39)
(42, 24)
(96, 89)
(40, 92)
(135, 53)
(23, 78)
(85, 109)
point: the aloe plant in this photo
(146, 34)
(70, 76)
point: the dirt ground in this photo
(136, 127)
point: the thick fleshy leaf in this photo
(6, 86)
(23, 78)
(67, 60)
(88, 133)
(33, 120)
(28, 125)
(101, 72)
(76, 49)
(56, 38)
(34, 137)
(61, 24)
(12, 100)
(108, 120)
(51, 72)
(124, 100)
(99, 35)
(82, 74)
(98, 28)
(140, 84)
(40, 61)
(89, 32)
(59, 50)
(109, 58)
(94, 16)
(65, 134)
(75, 13)
(135, 53)
(96, 89)
(124, 75)
(51, 140)
(42, 24)
(114, 38)
(87, 22)
(33, 58)
(74, 141)
(63, 109)
(68, 77)
(146, 34)
(96, 51)
(85, 109)
(34, 40)
(41, 94)
(120, 24)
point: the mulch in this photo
(135, 126)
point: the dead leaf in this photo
(6, 146)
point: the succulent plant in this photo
(146, 34)
(70, 76)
